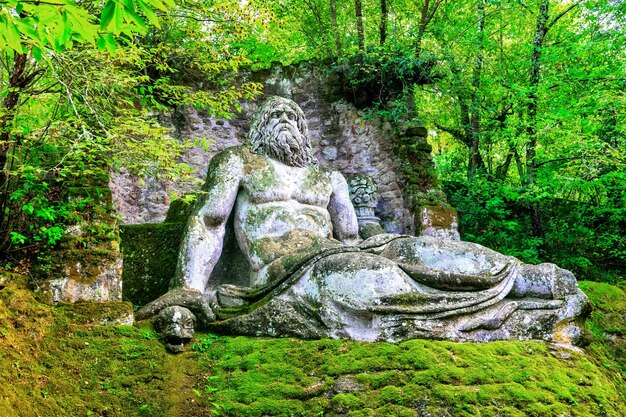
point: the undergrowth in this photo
(286, 377)
(58, 361)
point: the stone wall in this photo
(87, 263)
(342, 137)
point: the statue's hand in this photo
(196, 302)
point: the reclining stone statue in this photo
(312, 276)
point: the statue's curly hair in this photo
(259, 140)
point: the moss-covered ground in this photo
(58, 361)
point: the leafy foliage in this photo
(524, 102)
(84, 95)
(582, 237)
(59, 25)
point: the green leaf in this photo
(118, 18)
(150, 15)
(107, 14)
(110, 43)
(17, 238)
(82, 27)
(25, 26)
(136, 18)
(67, 28)
(28, 208)
(101, 42)
(160, 5)
(12, 36)
(37, 53)
(128, 4)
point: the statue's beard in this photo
(286, 145)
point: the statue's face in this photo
(279, 131)
(282, 129)
(177, 325)
(282, 135)
(282, 117)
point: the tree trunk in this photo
(9, 106)
(359, 26)
(17, 81)
(421, 28)
(476, 162)
(503, 169)
(384, 14)
(333, 21)
(531, 127)
(534, 78)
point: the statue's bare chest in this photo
(278, 182)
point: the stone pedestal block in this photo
(150, 256)
(437, 221)
(87, 264)
(82, 275)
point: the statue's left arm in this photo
(342, 215)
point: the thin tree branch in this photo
(434, 10)
(585, 80)
(563, 13)
(569, 158)
(456, 133)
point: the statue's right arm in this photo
(203, 240)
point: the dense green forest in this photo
(525, 102)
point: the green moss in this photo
(609, 302)
(607, 323)
(317, 178)
(89, 257)
(381, 379)
(150, 255)
(79, 265)
(261, 177)
(343, 403)
(405, 299)
(179, 211)
(100, 196)
(96, 313)
(464, 379)
(60, 362)
(418, 170)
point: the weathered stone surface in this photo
(87, 264)
(311, 275)
(437, 221)
(341, 139)
(197, 303)
(177, 325)
(81, 275)
(363, 194)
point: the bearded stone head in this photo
(279, 130)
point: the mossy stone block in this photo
(179, 211)
(150, 255)
(99, 195)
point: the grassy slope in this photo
(55, 361)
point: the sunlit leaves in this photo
(59, 24)
(123, 16)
